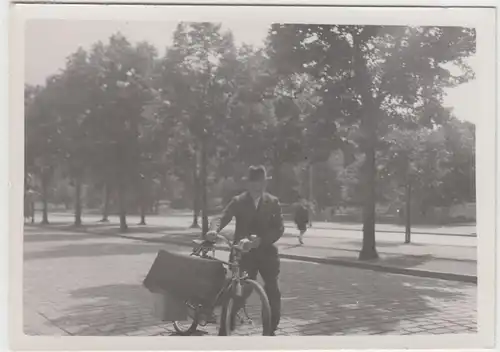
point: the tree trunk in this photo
(123, 209)
(196, 213)
(196, 195)
(143, 209)
(143, 216)
(369, 119)
(105, 208)
(203, 176)
(311, 192)
(78, 201)
(408, 213)
(143, 200)
(369, 251)
(45, 209)
(32, 205)
(276, 180)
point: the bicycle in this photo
(238, 288)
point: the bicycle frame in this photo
(232, 283)
(203, 310)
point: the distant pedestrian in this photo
(301, 218)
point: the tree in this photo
(375, 77)
(74, 106)
(438, 163)
(43, 143)
(458, 163)
(122, 76)
(196, 70)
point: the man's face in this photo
(256, 188)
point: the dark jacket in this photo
(266, 221)
(301, 214)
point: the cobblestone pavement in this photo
(81, 284)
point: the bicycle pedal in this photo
(247, 322)
(243, 320)
(204, 320)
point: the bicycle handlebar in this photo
(231, 244)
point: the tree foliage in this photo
(131, 123)
(375, 78)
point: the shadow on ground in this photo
(363, 302)
(82, 249)
(106, 228)
(317, 300)
(116, 309)
(94, 250)
(57, 236)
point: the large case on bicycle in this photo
(185, 277)
(167, 307)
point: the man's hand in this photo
(245, 245)
(255, 241)
(211, 236)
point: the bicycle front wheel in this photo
(248, 314)
(188, 327)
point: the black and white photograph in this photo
(248, 176)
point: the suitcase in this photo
(185, 277)
(167, 307)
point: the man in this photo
(258, 213)
(301, 218)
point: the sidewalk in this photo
(426, 260)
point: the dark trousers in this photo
(265, 261)
(301, 226)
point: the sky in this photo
(49, 42)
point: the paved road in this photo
(81, 284)
(449, 235)
(325, 242)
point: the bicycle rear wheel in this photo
(247, 315)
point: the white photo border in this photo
(484, 20)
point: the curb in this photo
(386, 268)
(319, 260)
(400, 231)
(347, 263)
